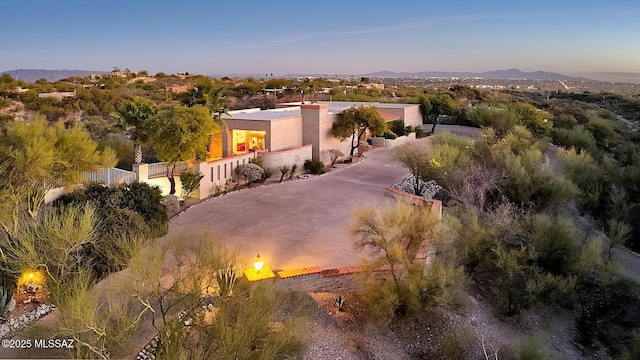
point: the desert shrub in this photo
(293, 170)
(334, 155)
(603, 131)
(501, 120)
(266, 173)
(564, 121)
(123, 147)
(139, 197)
(145, 200)
(284, 170)
(388, 134)
(398, 128)
(555, 242)
(121, 235)
(443, 284)
(250, 172)
(520, 139)
(529, 181)
(314, 166)
(254, 323)
(535, 120)
(381, 299)
(420, 133)
(190, 182)
(578, 137)
(129, 216)
(447, 153)
(586, 174)
(258, 160)
(521, 283)
(4, 103)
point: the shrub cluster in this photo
(314, 166)
(130, 215)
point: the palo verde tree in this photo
(180, 134)
(131, 117)
(35, 157)
(354, 122)
(416, 159)
(432, 106)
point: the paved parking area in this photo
(302, 223)
(298, 223)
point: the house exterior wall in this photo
(409, 114)
(285, 134)
(276, 159)
(328, 141)
(412, 116)
(312, 117)
(217, 173)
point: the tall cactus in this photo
(226, 278)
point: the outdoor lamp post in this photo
(258, 263)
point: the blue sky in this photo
(330, 37)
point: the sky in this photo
(327, 37)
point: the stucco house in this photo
(290, 127)
(283, 136)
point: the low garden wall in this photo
(380, 141)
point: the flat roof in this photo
(293, 110)
(263, 115)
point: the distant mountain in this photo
(496, 74)
(31, 75)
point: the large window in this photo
(247, 140)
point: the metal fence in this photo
(109, 176)
(160, 169)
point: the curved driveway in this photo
(298, 223)
(301, 223)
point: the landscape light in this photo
(258, 263)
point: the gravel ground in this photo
(345, 335)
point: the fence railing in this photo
(160, 169)
(109, 176)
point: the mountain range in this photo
(496, 74)
(31, 75)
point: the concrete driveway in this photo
(301, 223)
(297, 223)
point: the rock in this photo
(11, 305)
(171, 205)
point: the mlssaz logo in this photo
(54, 343)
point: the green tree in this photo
(37, 157)
(393, 235)
(306, 87)
(433, 106)
(216, 102)
(355, 121)
(180, 134)
(132, 117)
(416, 159)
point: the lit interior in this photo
(214, 150)
(247, 140)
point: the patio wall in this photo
(380, 141)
